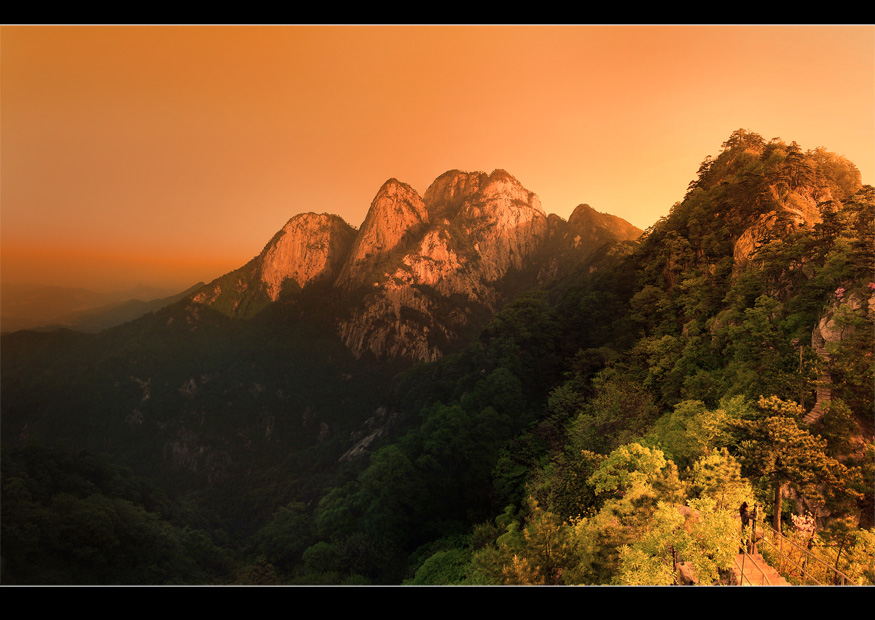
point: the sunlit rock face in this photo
(505, 223)
(793, 209)
(449, 192)
(466, 234)
(420, 268)
(396, 215)
(485, 225)
(309, 247)
(471, 227)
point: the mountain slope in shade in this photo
(104, 317)
(577, 241)
(27, 306)
(422, 268)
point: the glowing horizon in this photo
(168, 155)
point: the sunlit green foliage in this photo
(774, 447)
(718, 476)
(691, 430)
(598, 431)
(700, 534)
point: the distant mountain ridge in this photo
(255, 398)
(420, 267)
(104, 317)
(33, 306)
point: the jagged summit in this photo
(396, 211)
(447, 193)
(419, 267)
(465, 236)
(308, 248)
(586, 221)
(770, 188)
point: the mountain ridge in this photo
(277, 416)
(40, 307)
(464, 236)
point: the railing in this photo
(764, 579)
(797, 563)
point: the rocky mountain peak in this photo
(457, 194)
(585, 220)
(413, 255)
(582, 214)
(794, 191)
(309, 247)
(420, 268)
(396, 212)
(505, 223)
(446, 195)
(501, 183)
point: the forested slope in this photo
(600, 429)
(575, 439)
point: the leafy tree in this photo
(775, 447)
(852, 365)
(700, 534)
(260, 573)
(718, 476)
(692, 431)
(631, 481)
(544, 553)
(563, 486)
(447, 567)
(392, 495)
(629, 471)
(282, 541)
(620, 412)
(649, 307)
(78, 519)
(338, 511)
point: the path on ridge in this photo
(824, 381)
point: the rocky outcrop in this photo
(590, 227)
(792, 209)
(415, 254)
(824, 380)
(419, 268)
(505, 223)
(448, 193)
(830, 330)
(310, 247)
(397, 213)
(575, 242)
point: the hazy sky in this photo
(167, 155)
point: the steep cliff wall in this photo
(309, 247)
(419, 269)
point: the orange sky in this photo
(167, 155)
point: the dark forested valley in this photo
(468, 391)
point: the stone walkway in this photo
(824, 382)
(758, 572)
